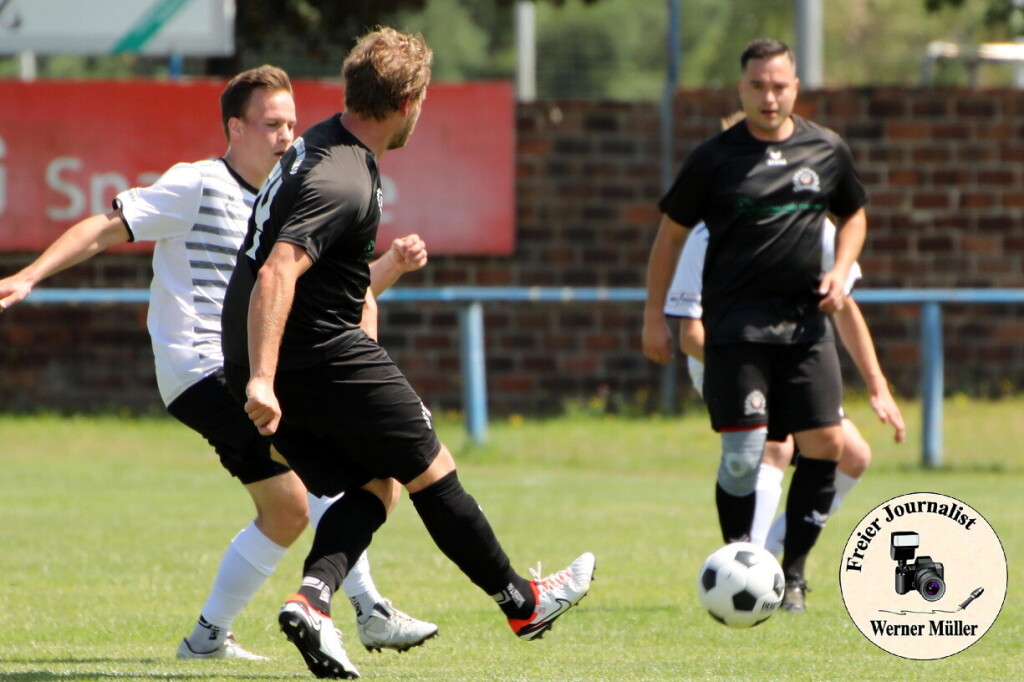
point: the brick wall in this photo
(943, 168)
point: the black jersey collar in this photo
(346, 133)
(241, 181)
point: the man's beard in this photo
(399, 139)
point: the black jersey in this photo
(325, 196)
(764, 204)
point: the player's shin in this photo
(807, 508)
(737, 477)
(768, 492)
(248, 562)
(461, 531)
(342, 535)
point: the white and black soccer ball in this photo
(741, 585)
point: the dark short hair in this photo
(234, 101)
(764, 48)
(383, 69)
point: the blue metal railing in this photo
(471, 328)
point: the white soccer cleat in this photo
(389, 628)
(229, 649)
(314, 635)
(554, 595)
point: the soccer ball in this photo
(741, 585)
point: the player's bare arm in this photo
(269, 305)
(691, 337)
(368, 322)
(856, 337)
(406, 254)
(657, 338)
(79, 243)
(850, 236)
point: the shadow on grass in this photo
(959, 468)
(43, 675)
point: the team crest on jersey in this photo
(775, 158)
(755, 403)
(806, 180)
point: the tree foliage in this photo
(612, 49)
(312, 37)
(316, 34)
(1004, 14)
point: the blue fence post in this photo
(474, 371)
(931, 384)
(669, 384)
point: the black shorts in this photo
(788, 388)
(350, 420)
(208, 408)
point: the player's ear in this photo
(235, 127)
(406, 105)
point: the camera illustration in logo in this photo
(923, 575)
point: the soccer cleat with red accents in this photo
(314, 635)
(554, 595)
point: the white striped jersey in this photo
(197, 214)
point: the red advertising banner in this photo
(66, 148)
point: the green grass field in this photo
(111, 531)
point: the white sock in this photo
(844, 484)
(248, 562)
(768, 491)
(360, 589)
(777, 534)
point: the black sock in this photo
(343, 534)
(460, 530)
(735, 514)
(807, 507)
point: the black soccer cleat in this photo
(793, 600)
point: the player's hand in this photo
(13, 290)
(888, 412)
(657, 339)
(261, 405)
(409, 252)
(832, 292)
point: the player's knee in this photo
(442, 465)
(282, 512)
(741, 455)
(823, 443)
(856, 455)
(778, 454)
(283, 523)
